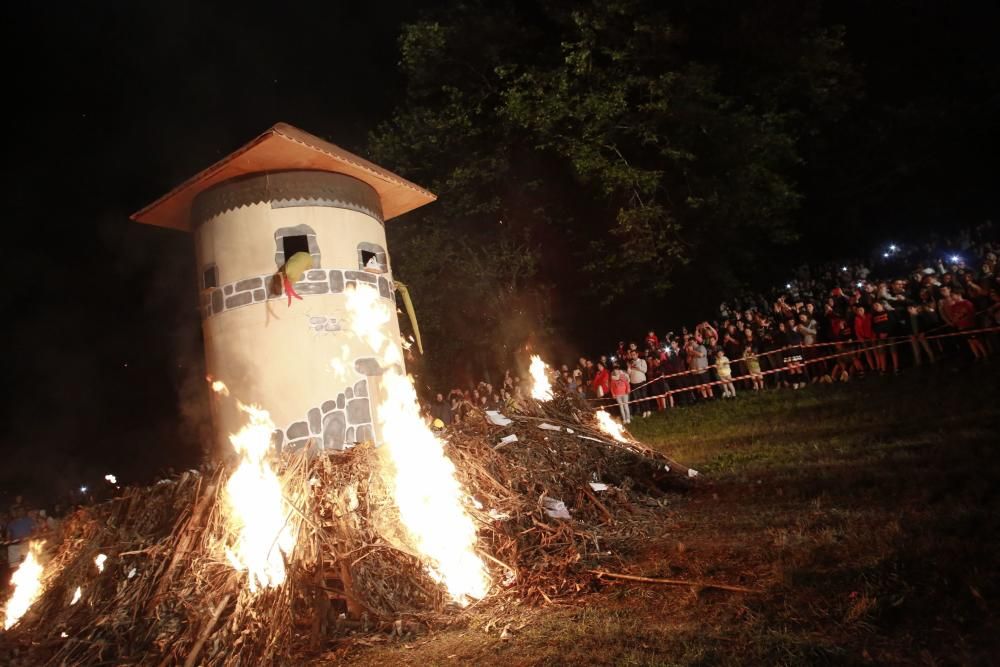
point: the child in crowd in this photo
(752, 362)
(619, 391)
(919, 324)
(882, 329)
(725, 372)
(864, 335)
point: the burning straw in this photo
(169, 594)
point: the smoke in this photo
(160, 267)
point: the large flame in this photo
(610, 426)
(541, 388)
(429, 497)
(257, 509)
(27, 582)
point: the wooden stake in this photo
(673, 582)
(196, 649)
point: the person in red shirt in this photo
(864, 335)
(601, 383)
(620, 389)
(963, 318)
(882, 330)
(652, 342)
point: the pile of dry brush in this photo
(168, 595)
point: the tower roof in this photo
(280, 148)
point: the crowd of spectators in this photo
(830, 323)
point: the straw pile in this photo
(168, 595)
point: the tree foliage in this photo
(596, 148)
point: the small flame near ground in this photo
(423, 482)
(99, 562)
(610, 426)
(541, 388)
(27, 582)
(77, 594)
(258, 512)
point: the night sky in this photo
(111, 104)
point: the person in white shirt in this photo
(637, 378)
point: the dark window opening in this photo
(211, 277)
(294, 244)
(369, 260)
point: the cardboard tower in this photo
(289, 192)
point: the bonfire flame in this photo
(99, 562)
(541, 388)
(77, 594)
(610, 426)
(427, 493)
(27, 582)
(429, 497)
(257, 509)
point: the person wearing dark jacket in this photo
(441, 409)
(919, 323)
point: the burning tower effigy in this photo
(288, 194)
(344, 512)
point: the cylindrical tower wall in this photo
(301, 363)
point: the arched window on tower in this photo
(372, 258)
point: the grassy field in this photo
(868, 515)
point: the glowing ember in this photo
(27, 582)
(421, 476)
(99, 562)
(541, 388)
(257, 509)
(111, 479)
(219, 387)
(610, 426)
(77, 594)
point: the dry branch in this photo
(674, 582)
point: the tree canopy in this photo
(595, 159)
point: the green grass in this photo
(868, 515)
